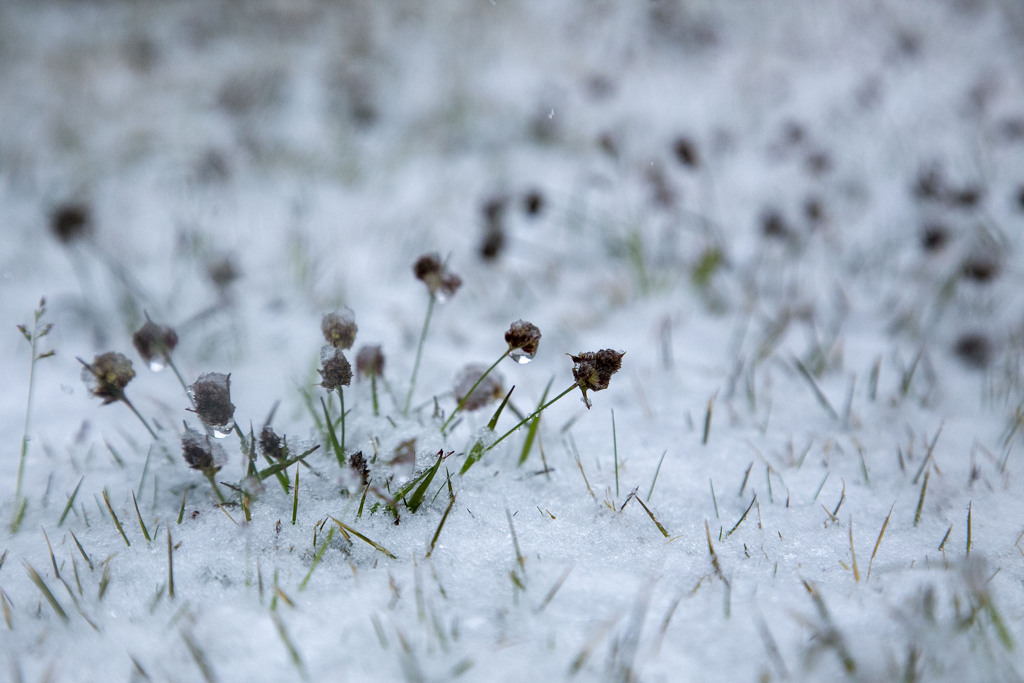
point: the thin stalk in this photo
(419, 353)
(373, 390)
(33, 339)
(184, 385)
(124, 399)
(530, 417)
(469, 393)
(216, 489)
(341, 398)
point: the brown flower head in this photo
(357, 461)
(107, 376)
(523, 339)
(155, 343)
(71, 222)
(212, 395)
(334, 368)
(370, 361)
(489, 390)
(270, 444)
(593, 370)
(441, 283)
(200, 452)
(340, 328)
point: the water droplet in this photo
(157, 364)
(521, 356)
(441, 296)
(222, 431)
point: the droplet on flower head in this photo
(335, 369)
(370, 361)
(200, 453)
(155, 343)
(212, 396)
(435, 275)
(489, 390)
(523, 339)
(340, 328)
(107, 376)
(593, 370)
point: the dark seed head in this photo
(490, 388)
(980, 269)
(340, 328)
(523, 336)
(435, 276)
(934, 237)
(71, 222)
(154, 341)
(357, 461)
(686, 152)
(773, 225)
(370, 361)
(270, 444)
(200, 452)
(212, 395)
(334, 368)
(593, 370)
(107, 376)
(974, 349)
(533, 203)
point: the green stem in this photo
(469, 393)
(341, 398)
(530, 417)
(216, 489)
(28, 414)
(145, 424)
(419, 353)
(174, 368)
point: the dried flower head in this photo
(523, 339)
(107, 376)
(441, 283)
(200, 452)
(222, 272)
(357, 461)
(212, 395)
(154, 342)
(334, 368)
(71, 222)
(370, 361)
(340, 328)
(490, 388)
(270, 444)
(593, 370)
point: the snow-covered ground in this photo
(801, 222)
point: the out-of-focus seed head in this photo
(200, 452)
(71, 222)
(270, 444)
(335, 369)
(340, 328)
(107, 376)
(154, 342)
(435, 275)
(593, 370)
(222, 272)
(489, 390)
(974, 349)
(523, 339)
(370, 361)
(212, 395)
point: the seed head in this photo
(212, 394)
(154, 341)
(71, 222)
(436, 276)
(370, 361)
(270, 444)
(490, 389)
(200, 452)
(593, 370)
(107, 376)
(523, 336)
(334, 368)
(357, 461)
(340, 328)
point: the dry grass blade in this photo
(346, 529)
(554, 589)
(743, 516)
(117, 522)
(45, 590)
(878, 542)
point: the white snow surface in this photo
(322, 147)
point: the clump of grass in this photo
(39, 330)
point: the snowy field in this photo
(800, 221)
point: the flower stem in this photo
(373, 389)
(174, 368)
(216, 489)
(531, 416)
(472, 389)
(145, 424)
(419, 353)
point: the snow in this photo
(320, 149)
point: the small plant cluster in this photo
(209, 397)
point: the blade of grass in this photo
(45, 590)
(920, 500)
(82, 550)
(71, 501)
(878, 542)
(316, 558)
(145, 531)
(170, 564)
(437, 534)
(346, 529)
(332, 437)
(853, 554)
(656, 471)
(615, 454)
(117, 522)
(742, 517)
(969, 528)
(295, 500)
(818, 393)
(531, 434)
